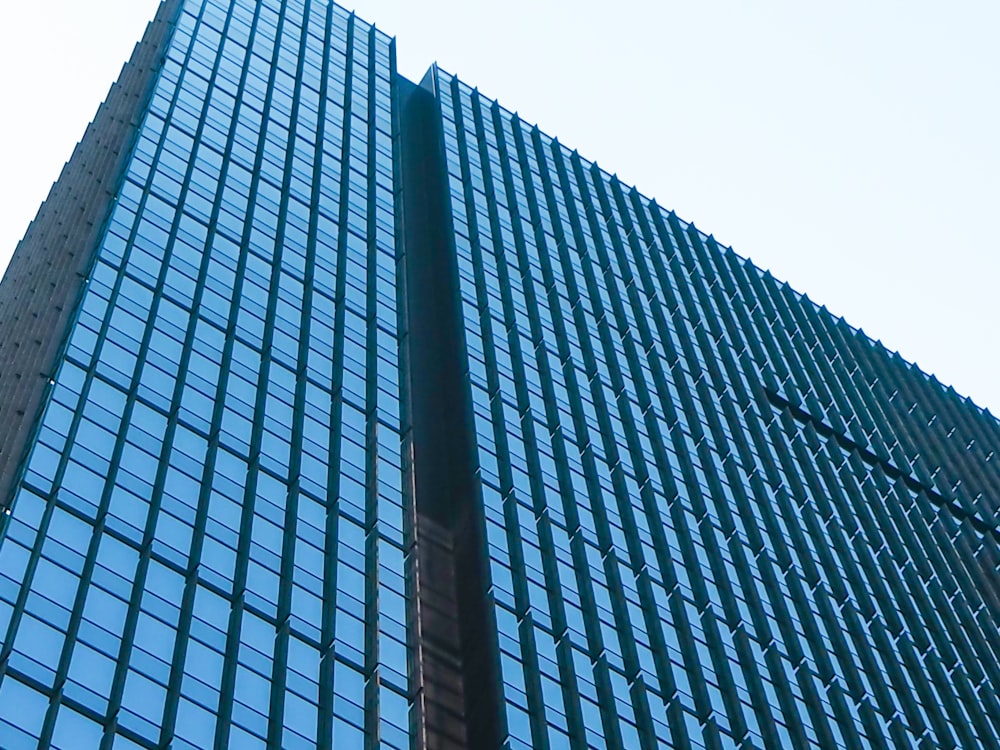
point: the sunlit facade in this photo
(175, 571)
(377, 418)
(717, 516)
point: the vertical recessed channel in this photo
(455, 672)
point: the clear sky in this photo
(850, 147)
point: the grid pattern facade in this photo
(42, 284)
(714, 513)
(384, 420)
(206, 545)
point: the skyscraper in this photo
(352, 412)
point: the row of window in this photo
(193, 555)
(712, 502)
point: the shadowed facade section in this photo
(455, 672)
(42, 284)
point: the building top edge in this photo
(440, 73)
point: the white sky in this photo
(850, 147)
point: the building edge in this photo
(41, 289)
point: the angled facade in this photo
(232, 365)
(716, 515)
(353, 412)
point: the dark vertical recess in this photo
(455, 675)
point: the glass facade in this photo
(712, 521)
(206, 546)
(658, 499)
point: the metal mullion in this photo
(881, 368)
(775, 542)
(121, 671)
(966, 595)
(512, 521)
(650, 509)
(845, 397)
(411, 573)
(896, 606)
(325, 723)
(488, 326)
(839, 542)
(746, 323)
(875, 613)
(845, 494)
(894, 519)
(640, 292)
(721, 259)
(793, 463)
(791, 312)
(679, 522)
(624, 507)
(943, 403)
(661, 384)
(920, 616)
(825, 539)
(702, 295)
(490, 338)
(233, 631)
(977, 708)
(707, 252)
(587, 343)
(733, 335)
(931, 564)
(89, 373)
(544, 530)
(766, 469)
(855, 689)
(531, 300)
(712, 473)
(698, 366)
(685, 268)
(186, 605)
(657, 281)
(690, 318)
(691, 249)
(737, 545)
(475, 249)
(925, 703)
(765, 639)
(283, 605)
(330, 590)
(778, 601)
(959, 602)
(951, 455)
(580, 562)
(192, 578)
(786, 337)
(97, 522)
(761, 316)
(813, 578)
(855, 401)
(42, 533)
(873, 405)
(566, 666)
(599, 302)
(81, 708)
(957, 679)
(720, 661)
(710, 363)
(372, 573)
